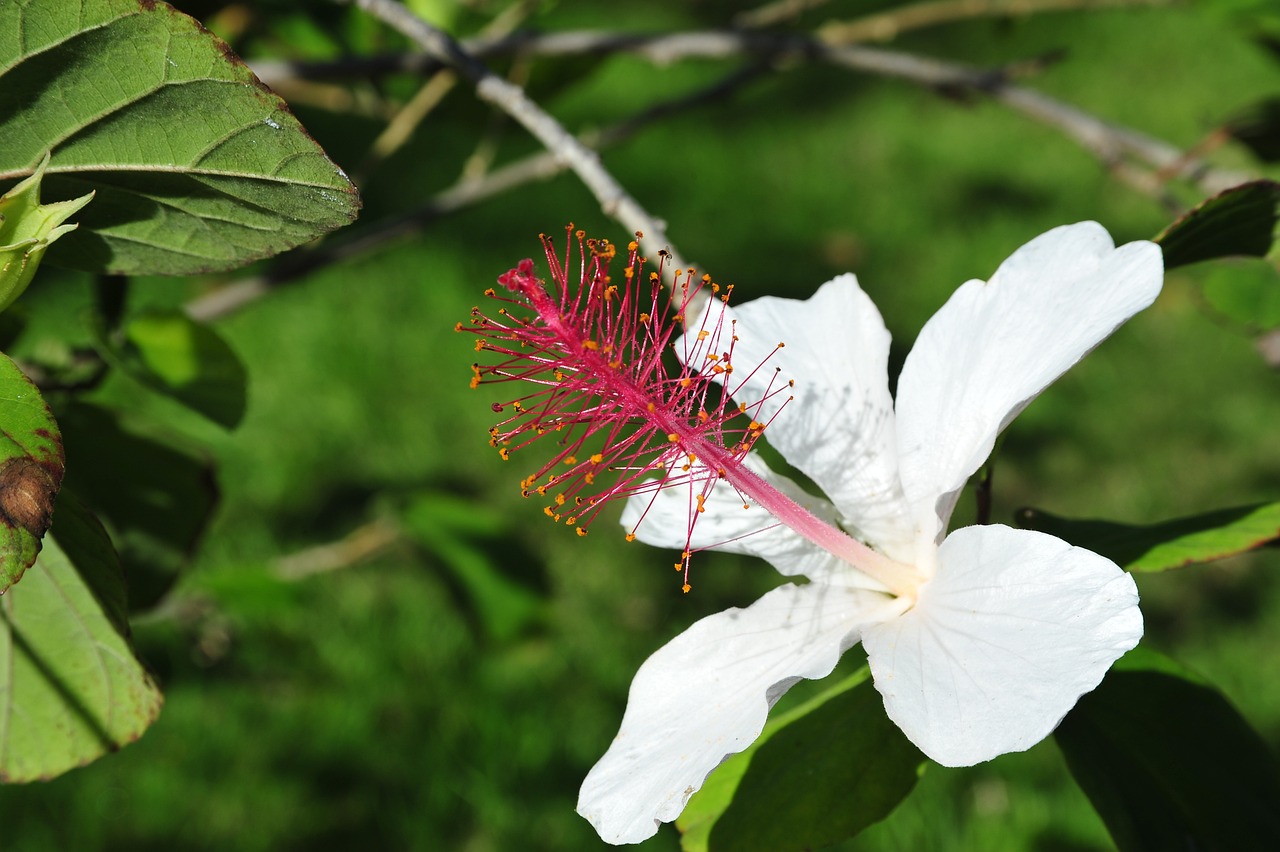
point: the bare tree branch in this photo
(541, 166)
(1107, 141)
(615, 201)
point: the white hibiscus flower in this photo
(980, 640)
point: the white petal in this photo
(1016, 626)
(838, 429)
(994, 347)
(735, 524)
(705, 695)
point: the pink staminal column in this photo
(596, 362)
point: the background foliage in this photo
(380, 644)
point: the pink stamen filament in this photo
(595, 358)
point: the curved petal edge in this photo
(1016, 626)
(706, 695)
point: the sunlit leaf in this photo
(196, 165)
(1172, 544)
(31, 468)
(1237, 221)
(189, 361)
(1169, 764)
(71, 688)
(816, 776)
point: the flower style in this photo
(980, 640)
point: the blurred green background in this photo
(444, 677)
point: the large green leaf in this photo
(816, 775)
(197, 166)
(31, 467)
(1169, 764)
(1237, 221)
(1172, 544)
(71, 688)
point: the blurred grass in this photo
(371, 707)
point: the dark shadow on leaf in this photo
(65, 691)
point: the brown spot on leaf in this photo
(26, 495)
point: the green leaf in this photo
(156, 497)
(31, 468)
(449, 527)
(1247, 292)
(1171, 544)
(1168, 763)
(1236, 221)
(197, 166)
(188, 361)
(71, 688)
(817, 775)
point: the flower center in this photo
(597, 360)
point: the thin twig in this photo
(615, 201)
(406, 120)
(360, 545)
(888, 25)
(775, 13)
(1107, 141)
